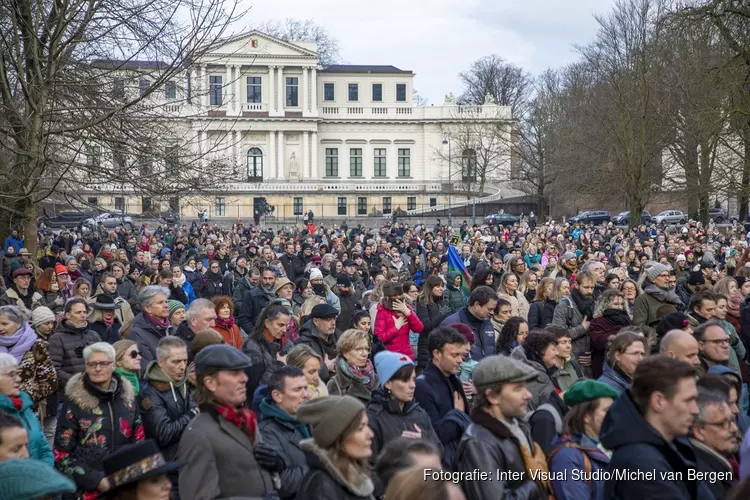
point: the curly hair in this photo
(605, 301)
(221, 301)
(508, 333)
(536, 343)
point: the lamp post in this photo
(450, 183)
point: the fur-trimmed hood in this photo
(360, 485)
(81, 395)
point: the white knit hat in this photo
(315, 274)
(41, 315)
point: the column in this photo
(203, 146)
(314, 162)
(281, 160)
(235, 160)
(237, 86)
(205, 87)
(270, 156)
(272, 106)
(392, 162)
(304, 90)
(314, 92)
(304, 168)
(280, 89)
(197, 96)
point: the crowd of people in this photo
(400, 362)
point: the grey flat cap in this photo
(498, 369)
(220, 357)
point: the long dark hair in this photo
(508, 334)
(480, 278)
(270, 312)
(426, 296)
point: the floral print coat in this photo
(92, 424)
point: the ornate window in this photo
(255, 165)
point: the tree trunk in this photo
(705, 182)
(30, 227)
(745, 186)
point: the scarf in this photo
(159, 323)
(242, 418)
(179, 281)
(617, 316)
(669, 296)
(733, 306)
(17, 402)
(584, 305)
(364, 375)
(225, 323)
(130, 377)
(19, 343)
(109, 322)
(269, 410)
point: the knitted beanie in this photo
(31, 479)
(329, 417)
(655, 270)
(387, 363)
(315, 274)
(121, 347)
(174, 305)
(41, 315)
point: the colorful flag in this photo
(456, 264)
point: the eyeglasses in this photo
(100, 364)
(363, 350)
(135, 354)
(724, 424)
(14, 374)
(718, 341)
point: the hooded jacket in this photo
(241, 293)
(324, 481)
(454, 296)
(166, 409)
(637, 446)
(93, 423)
(569, 457)
(65, 347)
(37, 445)
(614, 378)
(541, 387)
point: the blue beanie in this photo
(30, 479)
(387, 363)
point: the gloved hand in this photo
(79, 350)
(268, 458)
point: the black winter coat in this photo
(636, 445)
(196, 280)
(308, 335)
(324, 481)
(92, 424)
(66, 352)
(214, 285)
(388, 422)
(109, 334)
(166, 411)
(431, 315)
(147, 335)
(250, 309)
(262, 354)
(348, 305)
(126, 290)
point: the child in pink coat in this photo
(395, 319)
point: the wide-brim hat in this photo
(104, 302)
(135, 462)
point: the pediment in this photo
(257, 44)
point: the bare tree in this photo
(505, 83)
(62, 96)
(305, 30)
(418, 99)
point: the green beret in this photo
(588, 390)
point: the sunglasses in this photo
(134, 354)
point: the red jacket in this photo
(396, 340)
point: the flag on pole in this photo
(456, 264)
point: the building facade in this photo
(344, 141)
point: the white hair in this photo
(196, 306)
(7, 361)
(102, 347)
(146, 296)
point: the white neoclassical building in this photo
(346, 140)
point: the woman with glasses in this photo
(626, 350)
(355, 374)
(610, 315)
(128, 362)
(98, 416)
(16, 403)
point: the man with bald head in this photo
(680, 345)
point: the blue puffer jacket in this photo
(567, 456)
(38, 446)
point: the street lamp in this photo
(450, 184)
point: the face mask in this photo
(319, 289)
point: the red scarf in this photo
(226, 324)
(109, 322)
(242, 418)
(17, 403)
(159, 323)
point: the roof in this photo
(131, 64)
(354, 68)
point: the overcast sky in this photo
(437, 39)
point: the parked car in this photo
(670, 217)
(502, 219)
(591, 217)
(71, 219)
(717, 215)
(110, 221)
(623, 217)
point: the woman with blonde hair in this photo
(307, 307)
(537, 316)
(509, 291)
(729, 289)
(303, 357)
(528, 285)
(355, 374)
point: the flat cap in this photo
(588, 390)
(499, 369)
(349, 263)
(220, 357)
(323, 311)
(21, 272)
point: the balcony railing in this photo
(255, 107)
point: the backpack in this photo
(587, 468)
(553, 411)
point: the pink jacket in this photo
(396, 340)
